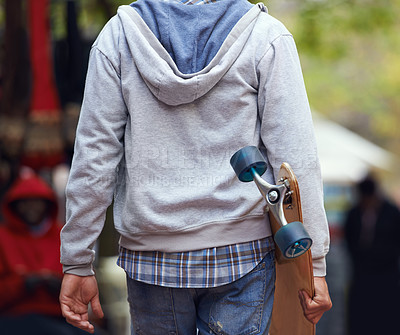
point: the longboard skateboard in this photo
(292, 275)
(294, 270)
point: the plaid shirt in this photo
(195, 269)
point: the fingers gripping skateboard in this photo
(292, 238)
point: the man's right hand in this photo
(76, 294)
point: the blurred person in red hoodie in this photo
(30, 270)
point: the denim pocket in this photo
(151, 308)
(244, 306)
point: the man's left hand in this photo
(315, 307)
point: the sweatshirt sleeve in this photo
(97, 155)
(288, 134)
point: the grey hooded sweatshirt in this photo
(157, 139)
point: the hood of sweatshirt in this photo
(180, 64)
(27, 186)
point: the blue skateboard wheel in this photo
(293, 240)
(246, 159)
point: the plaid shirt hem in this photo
(195, 269)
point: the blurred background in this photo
(350, 53)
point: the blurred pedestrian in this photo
(372, 231)
(30, 270)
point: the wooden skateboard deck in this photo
(292, 275)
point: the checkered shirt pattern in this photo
(195, 269)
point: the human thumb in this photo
(96, 307)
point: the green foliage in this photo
(350, 52)
(92, 15)
(324, 27)
(2, 18)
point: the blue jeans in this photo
(243, 307)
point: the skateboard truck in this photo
(274, 195)
(292, 238)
